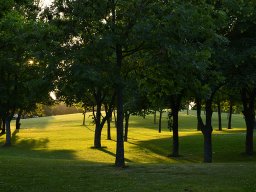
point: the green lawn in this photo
(54, 154)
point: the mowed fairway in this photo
(55, 154)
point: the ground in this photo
(55, 154)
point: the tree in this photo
(240, 59)
(22, 81)
(181, 49)
(115, 24)
(86, 70)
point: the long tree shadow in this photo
(103, 149)
(226, 148)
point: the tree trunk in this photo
(249, 135)
(219, 116)
(8, 131)
(108, 123)
(3, 127)
(98, 128)
(248, 99)
(127, 117)
(18, 120)
(84, 113)
(160, 121)
(155, 117)
(175, 107)
(207, 132)
(230, 114)
(175, 149)
(1, 123)
(198, 113)
(120, 161)
(108, 129)
(115, 117)
(207, 145)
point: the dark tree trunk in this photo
(188, 109)
(160, 121)
(249, 136)
(93, 113)
(198, 113)
(3, 127)
(155, 117)
(108, 123)
(18, 120)
(207, 146)
(8, 130)
(207, 132)
(175, 107)
(120, 161)
(126, 117)
(230, 114)
(219, 116)
(115, 117)
(98, 128)
(108, 129)
(120, 142)
(175, 149)
(84, 113)
(144, 113)
(248, 99)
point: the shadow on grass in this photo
(34, 148)
(226, 148)
(234, 131)
(163, 147)
(104, 149)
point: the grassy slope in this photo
(54, 154)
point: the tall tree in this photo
(116, 25)
(240, 59)
(181, 43)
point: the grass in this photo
(55, 154)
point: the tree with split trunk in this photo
(89, 82)
(178, 56)
(135, 100)
(99, 118)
